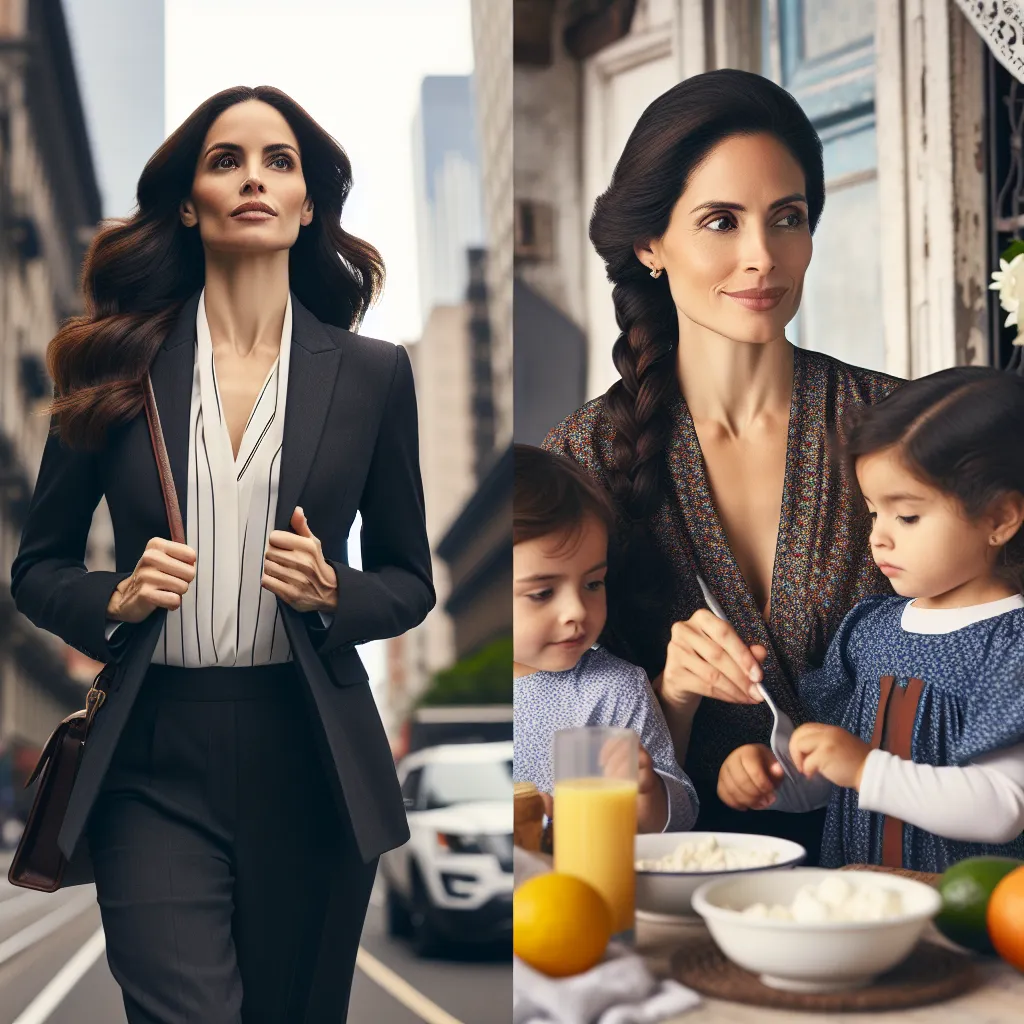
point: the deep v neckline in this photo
(713, 548)
(235, 459)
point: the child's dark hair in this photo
(554, 494)
(959, 430)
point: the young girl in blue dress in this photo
(921, 761)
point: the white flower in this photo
(1008, 280)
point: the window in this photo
(411, 787)
(448, 784)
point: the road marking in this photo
(45, 925)
(17, 905)
(39, 1010)
(399, 989)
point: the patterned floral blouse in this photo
(822, 568)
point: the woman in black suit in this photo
(238, 786)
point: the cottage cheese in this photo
(834, 899)
(707, 855)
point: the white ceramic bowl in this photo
(822, 957)
(669, 892)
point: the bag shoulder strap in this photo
(163, 465)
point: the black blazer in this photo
(350, 442)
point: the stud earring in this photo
(656, 272)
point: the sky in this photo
(354, 66)
(119, 42)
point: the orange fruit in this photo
(560, 924)
(1005, 918)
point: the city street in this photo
(53, 971)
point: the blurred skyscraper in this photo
(51, 199)
(464, 424)
(492, 78)
(449, 217)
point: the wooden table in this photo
(999, 1000)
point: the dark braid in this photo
(673, 136)
(638, 404)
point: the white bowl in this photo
(669, 892)
(821, 957)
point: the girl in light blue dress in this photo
(562, 678)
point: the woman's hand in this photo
(749, 777)
(829, 751)
(295, 570)
(161, 576)
(706, 658)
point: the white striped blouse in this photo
(227, 617)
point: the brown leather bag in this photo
(38, 862)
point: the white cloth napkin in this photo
(619, 990)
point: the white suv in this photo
(453, 879)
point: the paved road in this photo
(53, 971)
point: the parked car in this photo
(453, 879)
(455, 723)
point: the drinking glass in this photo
(594, 814)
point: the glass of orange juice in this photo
(595, 814)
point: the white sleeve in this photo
(982, 802)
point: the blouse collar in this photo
(948, 620)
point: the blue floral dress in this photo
(971, 703)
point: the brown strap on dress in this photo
(885, 687)
(894, 733)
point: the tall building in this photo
(449, 218)
(463, 362)
(49, 208)
(492, 75)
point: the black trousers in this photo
(229, 882)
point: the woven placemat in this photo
(918, 876)
(929, 975)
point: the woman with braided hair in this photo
(715, 442)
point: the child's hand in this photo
(652, 797)
(749, 777)
(830, 751)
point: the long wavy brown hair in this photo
(139, 271)
(673, 136)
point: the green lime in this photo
(965, 888)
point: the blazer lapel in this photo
(171, 373)
(315, 359)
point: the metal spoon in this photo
(782, 728)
